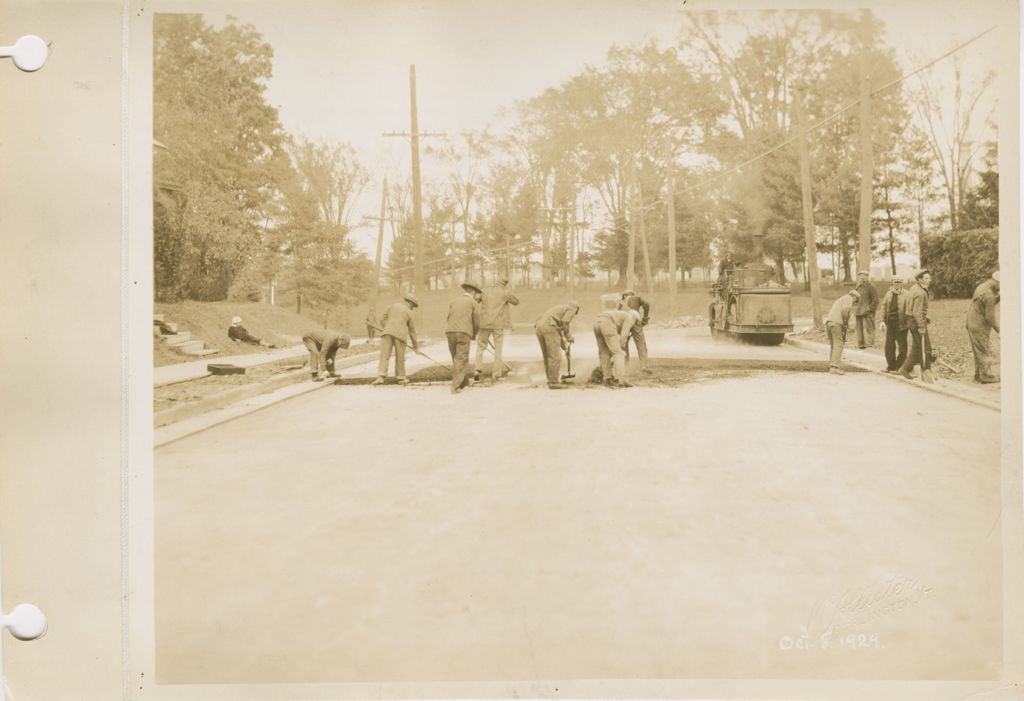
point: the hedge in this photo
(960, 260)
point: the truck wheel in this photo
(773, 339)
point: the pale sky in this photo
(341, 67)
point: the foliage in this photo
(224, 152)
(960, 259)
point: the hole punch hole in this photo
(29, 53)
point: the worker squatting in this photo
(484, 316)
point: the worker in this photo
(837, 323)
(397, 329)
(323, 345)
(865, 310)
(612, 329)
(894, 322)
(982, 317)
(554, 333)
(461, 328)
(372, 323)
(495, 318)
(631, 300)
(237, 332)
(917, 323)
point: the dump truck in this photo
(750, 304)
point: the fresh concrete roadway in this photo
(405, 534)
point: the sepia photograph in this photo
(539, 341)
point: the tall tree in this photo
(224, 152)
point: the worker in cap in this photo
(323, 345)
(397, 329)
(239, 334)
(837, 323)
(982, 318)
(612, 329)
(920, 352)
(893, 311)
(632, 301)
(461, 328)
(554, 334)
(864, 311)
(495, 319)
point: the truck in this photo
(749, 304)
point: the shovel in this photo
(569, 375)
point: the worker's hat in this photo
(921, 273)
(628, 293)
(862, 272)
(467, 285)
(236, 320)
(897, 278)
(995, 276)
(411, 299)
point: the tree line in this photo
(580, 168)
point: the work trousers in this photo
(979, 335)
(836, 342)
(640, 341)
(482, 337)
(895, 345)
(551, 351)
(387, 343)
(314, 357)
(866, 330)
(458, 346)
(920, 349)
(609, 350)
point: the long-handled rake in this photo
(417, 351)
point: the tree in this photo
(321, 264)
(949, 134)
(981, 205)
(224, 153)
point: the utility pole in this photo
(380, 245)
(671, 203)
(867, 161)
(633, 211)
(643, 243)
(417, 196)
(811, 252)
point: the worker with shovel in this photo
(397, 330)
(612, 330)
(554, 333)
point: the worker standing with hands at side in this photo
(554, 333)
(495, 318)
(461, 328)
(982, 317)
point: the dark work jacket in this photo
(238, 333)
(982, 313)
(463, 316)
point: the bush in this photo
(960, 260)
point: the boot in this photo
(836, 370)
(378, 381)
(403, 380)
(907, 374)
(926, 377)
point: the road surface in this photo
(713, 529)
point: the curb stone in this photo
(868, 361)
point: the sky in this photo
(341, 68)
